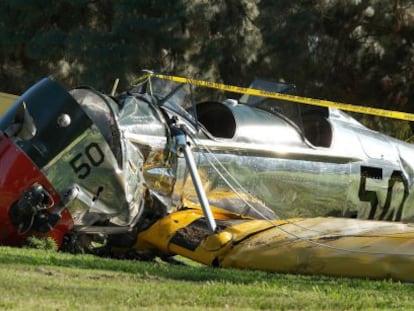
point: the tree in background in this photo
(356, 51)
(86, 42)
(32, 39)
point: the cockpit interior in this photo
(312, 122)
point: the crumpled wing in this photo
(321, 246)
(6, 100)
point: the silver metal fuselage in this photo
(114, 161)
(251, 161)
(357, 173)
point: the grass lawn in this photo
(46, 280)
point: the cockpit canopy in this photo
(250, 118)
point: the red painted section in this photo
(18, 173)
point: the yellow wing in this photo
(324, 245)
(6, 100)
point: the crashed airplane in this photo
(253, 183)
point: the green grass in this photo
(46, 280)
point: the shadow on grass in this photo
(15, 256)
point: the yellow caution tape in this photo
(292, 98)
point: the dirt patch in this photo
(191, 236)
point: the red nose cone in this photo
(17, 174)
